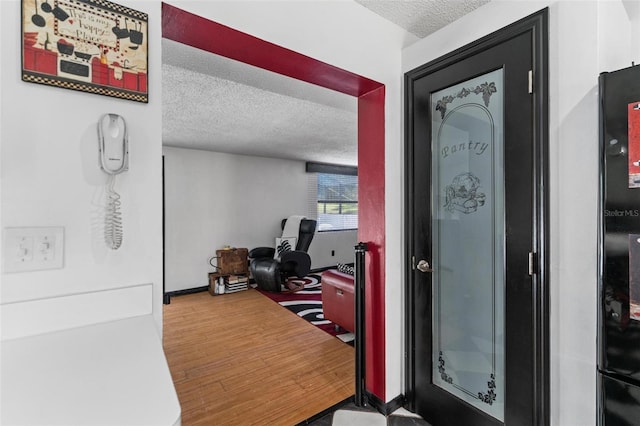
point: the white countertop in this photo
(111, 373)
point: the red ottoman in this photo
(338, 303)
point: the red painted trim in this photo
(196, 31)
(371, 229)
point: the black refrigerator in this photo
(619, 249)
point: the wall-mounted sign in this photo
(634, 144)
(90, 45)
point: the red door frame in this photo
(196, 31)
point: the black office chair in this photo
(270, 273)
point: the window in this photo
(333, 200)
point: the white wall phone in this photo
(113, 144)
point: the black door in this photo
(476, 161)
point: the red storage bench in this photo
(338, 302)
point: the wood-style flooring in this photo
(241, 359)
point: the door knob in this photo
(423, 266)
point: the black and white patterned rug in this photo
(307, 304)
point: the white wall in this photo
(340, 243)
(344, 34)
(51, 177)
(214, 199)
(586, 38)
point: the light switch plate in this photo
(33, 249)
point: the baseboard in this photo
(168, 295)
(325, 412)
(385, 408)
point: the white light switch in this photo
(25, 249)
(33, 249)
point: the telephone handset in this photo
(113, 144)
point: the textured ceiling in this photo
(213, 103)
(422, 17)
(217, 104)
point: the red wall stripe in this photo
(187, 28)
(371, 229)
(196, 31)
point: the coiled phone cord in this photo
(113, 216)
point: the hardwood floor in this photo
(240, 359)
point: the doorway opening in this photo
(187, 28)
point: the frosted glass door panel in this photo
(468, 241)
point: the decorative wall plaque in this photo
(634, 144)
(634, 276)
(93, 46)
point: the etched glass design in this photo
(468, 241)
